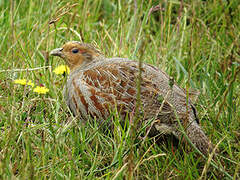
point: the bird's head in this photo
(76, 54)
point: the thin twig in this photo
(204, 172)
(30, 69)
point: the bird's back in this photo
(109, 83)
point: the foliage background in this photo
(195, 41)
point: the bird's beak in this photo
(57, 52)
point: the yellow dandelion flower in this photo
(61, 69)
(40, 90)
(24, 82)
(20, 81)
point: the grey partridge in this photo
(97, 84)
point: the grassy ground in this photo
(196, 42)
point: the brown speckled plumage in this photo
(97, 84)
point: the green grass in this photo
(196, 42)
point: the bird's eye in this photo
(75, 51)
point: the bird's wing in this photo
(114, 85)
